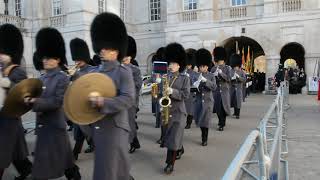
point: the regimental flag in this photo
(248, 65)
(243, 60)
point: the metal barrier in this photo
(267, 142)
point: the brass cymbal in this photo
(76, 100)
(14, 105)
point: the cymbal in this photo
(14, 105)
(76, 100)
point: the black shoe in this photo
(159, 141)
(168, 169)
(70, 128)
(22, 177)
(220, 129)
(204, 143)
(157, 126)
(72, 173)
(237, 117)
(162, 145)
(188, 126)
(179, 154)
(131, 178)
(133, 148)
(75, 156)
(90, 149)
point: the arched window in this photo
(18, 8)
(155, 10)
(56, 7)
(101, 6)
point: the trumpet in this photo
(71, 71)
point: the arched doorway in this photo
(293, 58)
(252, 50)
(149, 63)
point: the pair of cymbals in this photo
(14, 105)
(77, 107)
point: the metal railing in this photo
(268, 142)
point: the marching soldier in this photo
(12, 141)
(81, 55)
(206, 84)
(130, 56)
(222, 93)
(53, 155)
(111, 134)
(178, 89)
(238, 78)
(191, 61)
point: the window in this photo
(238, 2)
(190, 4)
(18, 8)
(122, 9)
(101, 6)
(57, 7)
(155, 10)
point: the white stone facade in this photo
(272, 24)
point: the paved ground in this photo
(210, 163)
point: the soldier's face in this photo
(109, 54)
(126, 60)
(174, 67)
(50, 63)
(4, 60)
(203, 68)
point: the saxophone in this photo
(154, 90)
(165, 101)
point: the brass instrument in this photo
(154, 90)
(71, 71)
(165, 101)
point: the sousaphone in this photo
(14, 105)
(77, 107)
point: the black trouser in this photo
(1, 173)
(222, 117)
(24, 167)
(79, 143)
(236, 111)
(204, 134)
(158, 119)
(171, 156)
(189, 119)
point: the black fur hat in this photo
(191, 57)
(11, 42)
(132, 47)
(203, 57)
(50, 44)
(108, 31)
(159, 55)
(79, 50)
(36, 62)
(175, 52)
(235, 60)
(219, 53)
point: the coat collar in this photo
(108, 65)
(52, 72)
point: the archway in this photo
(149, 63)
(294, 51)
(293, 58)
(244, 45)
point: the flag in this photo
(248, 60)
(243, 59)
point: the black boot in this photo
(189, 121)
(204, 136)
(134, 145)
(171, 158)
(24, 168)
(90, 149)
(1, 173)
(168, 169)
(73, 173)
(180, 152)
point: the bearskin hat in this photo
(108, 31)
(203, 57)
(235, 60)
(191, 57)
(50, 44)
(159, 55)
(79, 50)
(38, 65)
(11, 42)
(219, 53)
(175, 52)
(132, 47)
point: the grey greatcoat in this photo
(222, 93)
(13, 145)
(177, 114)
(204, 101)
(237, 88)
(136, 73)
(111, 134)
(191, 100)
(53, 154)
(79, 132)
